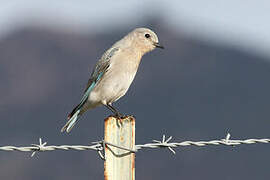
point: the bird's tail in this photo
(72, 119)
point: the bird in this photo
(114, 73)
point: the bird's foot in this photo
(120, 118)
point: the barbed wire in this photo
(99, 146)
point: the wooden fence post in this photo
(119, 163)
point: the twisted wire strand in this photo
(99, 146)
(50, 148)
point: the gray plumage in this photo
(114, 73)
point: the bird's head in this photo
(145, 39)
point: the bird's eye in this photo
(147, 35)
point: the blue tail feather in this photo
(75, 114)
(71, 122)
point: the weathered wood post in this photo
(119, 163)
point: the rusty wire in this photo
(99, 146)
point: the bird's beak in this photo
(158, 45)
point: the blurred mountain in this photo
(193, 90)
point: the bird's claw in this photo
(119, 118)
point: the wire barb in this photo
(164, 143)
(40, 146)
(227, 140)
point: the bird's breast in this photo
(117, 80)
(123, 73)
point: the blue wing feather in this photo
(86, 94)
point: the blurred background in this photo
(212, 78)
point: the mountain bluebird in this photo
(114, 73)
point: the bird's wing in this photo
(101, 67)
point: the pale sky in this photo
(242, 23)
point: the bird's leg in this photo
(116, 113)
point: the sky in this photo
(237, 22)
